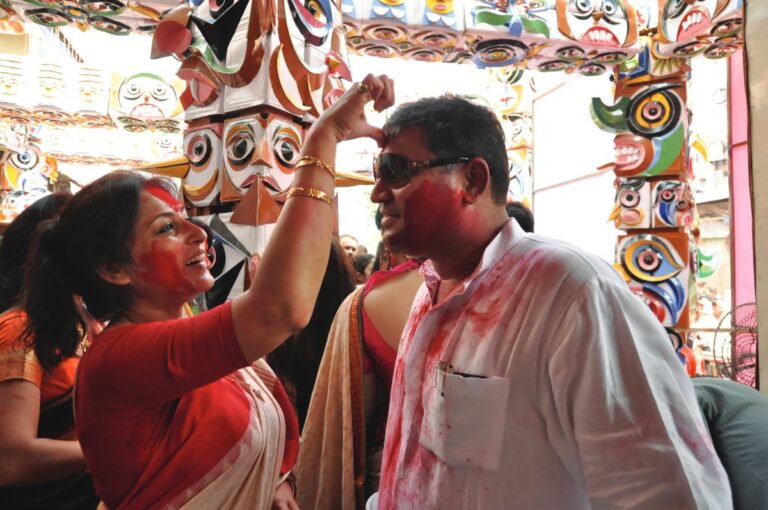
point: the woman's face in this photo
(168, 251)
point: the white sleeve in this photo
(626, 409)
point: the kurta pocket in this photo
(465, 419)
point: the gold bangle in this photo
(310, 160)
(311, 193)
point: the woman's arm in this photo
(281, 299)
(26, 459)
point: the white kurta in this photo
(543, 383)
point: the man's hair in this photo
(521, 214)
(455, 127)
(347, 236)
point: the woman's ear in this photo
(114, 274)
(478, 179)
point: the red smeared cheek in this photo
(428, 213)
(162, 194)
(161, 267)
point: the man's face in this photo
(426, 215)
(348, 245)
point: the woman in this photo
(340, 457)
(363, 265)
(43, 465)
(179, 412)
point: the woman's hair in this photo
(14, 248)
(95, 232)
(360, 262)
(298, 359)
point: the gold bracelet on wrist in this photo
(311, 193)
(311, 160)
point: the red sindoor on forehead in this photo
(164, 195)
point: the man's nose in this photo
(381, 192)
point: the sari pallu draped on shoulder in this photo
(330, 471)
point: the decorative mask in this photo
(682, 20)
(605, 23)
(673, 204)
(657, 268)
(632, 204)
(650, 122)
(260, 145)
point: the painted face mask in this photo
(259, 146)
(673, 204)
(650, 123)
(632, 204)
(602, 23)
(657, 268)
(202, 147)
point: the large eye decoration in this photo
(131, 91)
(674, 8)
(199, 149)
(649, 258)
(499, 52)
(553, 66)
(48, 17)
(313, 21)
(240, 145)
(160, 92)
(613, 13)
(26, 160)
(286, 146)
(655, 111)
(109, 25)
(571, 53)
(103, 7)
(629, 198)
(582, 9)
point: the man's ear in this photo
(478, 179)
(114, 274)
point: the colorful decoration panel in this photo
(116, 17)
(563, 35)
(656, 266)
(257, 73)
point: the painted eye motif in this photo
(571, 53)
(668, 195)
(160, 92)
(316, 9)
(553, 66)
(613, 13)
(649, 260)
(132, 91)
(654, 112)
(582, 9)
(592, 69)
(240, 146)
(199, 150)
(629, 198)
(286, 147)
(26, 160)
(674, 8)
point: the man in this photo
(528, 375)
(348, 244)
(736, 416)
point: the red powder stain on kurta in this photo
(163, 194)
(161, 267)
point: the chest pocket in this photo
(465, 419)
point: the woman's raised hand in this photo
(345, 119)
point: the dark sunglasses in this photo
(396, 170)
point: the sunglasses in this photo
(396, 170)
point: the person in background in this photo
(363, 265)
(340, 457)
(183, 412)
(528, 375)
(348, 244)
(736, 416)
(522, 215)
(361, 249)
(297, 360)
(42, 463)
